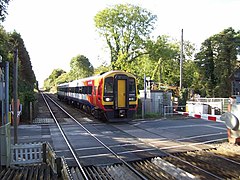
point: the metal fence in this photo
(5, 140)
(26, 153)
(221, 103)
(173, 110)
(37, 153)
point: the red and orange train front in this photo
(112, 95)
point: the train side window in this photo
(132, 86)
(108, 86)
(132, 89)
(84, 90)
(80, 90)
(76, 89)
(89, 89)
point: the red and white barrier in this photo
(202, 116)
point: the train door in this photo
(121, 94)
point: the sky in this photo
(55, 31)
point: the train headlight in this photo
(122, 113)
(108, 99)
(132, 98)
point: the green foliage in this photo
(64, 77)
(216, 61)
(80, 67)
(164, 58)
(56, 73)
(125, 28)
(164, 55)
(151, 115)
(54, 79)
(191, 75)
(102, 68)
(4, 44)
(25, 67)
(26, 77)
(183, 97)
(3, 9)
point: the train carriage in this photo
(111, 95)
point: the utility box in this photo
(155, 100)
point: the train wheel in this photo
(95, 112)
(88, 109)
(80, 106)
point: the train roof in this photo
(116, 71)
(78, 81)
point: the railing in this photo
(172, 110)
(224, 100)
(26, 153)
(36, 153)
(213, 101)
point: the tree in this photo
(217, 60)
(162, 52)
(206, 66)
(56, 73)
(3, 9)
(125, 28)
(4, 41)
(104, 67)
(25, 70)
(52, 81)
(63, 78)
(26, 77)
(80, 67)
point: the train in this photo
(111, 96)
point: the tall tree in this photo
(104, 67)
(52, 80)
(25, 70)
(3, 9)
(162, 52)
(5, 45)
(80, 67)
(206, 67)
(125, 28)
(26, 77)
(217, 60)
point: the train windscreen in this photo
(108, 89)
(132, 89)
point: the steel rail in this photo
(196, 143)
(103, 144)
(66, 140)
(173, 156)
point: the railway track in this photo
(70, 146)
(193, 163)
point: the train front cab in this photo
(120, 97)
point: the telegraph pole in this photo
(181, 61)
(15, 98)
